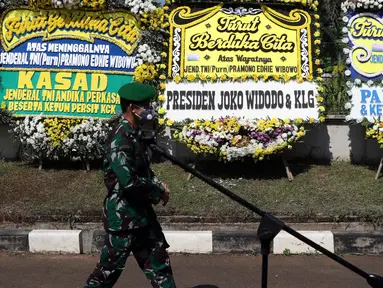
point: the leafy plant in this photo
(331, 28)
(335, 90)
(286, 252)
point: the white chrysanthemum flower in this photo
(345, 40)
(68, 4)
(348, 105)
(348, 118)
(145, 54)
(141, 6)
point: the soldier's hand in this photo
(165, 197)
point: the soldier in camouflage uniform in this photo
(129, 219)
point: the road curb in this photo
(13, 240)
(236, 242)
(193, 242)
(358, 243)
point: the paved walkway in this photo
(57, 271)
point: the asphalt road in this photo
(58, 271)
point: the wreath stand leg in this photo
(379, 169)
(189, 174)
(193, 166)
(85, 164)
(288, 172)
(40, 163)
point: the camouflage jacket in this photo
(131, 184)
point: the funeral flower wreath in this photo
(56, 138)
(233, 138)
(374, 126)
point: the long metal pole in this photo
(265, 265)
(258, 211)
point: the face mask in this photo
(145, 115)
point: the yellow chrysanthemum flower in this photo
(169, 122)
(145, 72)
(311, 120)
(161, 111)
(177, 78)
(191, 77)
(202, 77)
(161, 98)
(286, 78)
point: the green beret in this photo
(137, 92)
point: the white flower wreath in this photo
(140, 6)
(350, 5)
(68, 4)
(146, 54)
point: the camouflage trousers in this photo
(148, 246)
